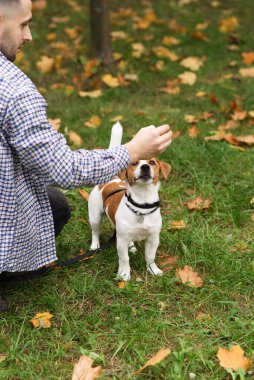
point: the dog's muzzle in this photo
(145, 172)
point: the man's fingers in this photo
(166, 137)
(163, 129)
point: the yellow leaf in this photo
(189, 277)
(228, 25)
(248, 58)
(233, 358)
(162, 52)
(45, 65)
(83, 370)
(118, 35)
(56, 123)
(110, 81)
(200, 94)
(93, 122)
(251, 114)
(116, 118)
(90, 94)
(247, 72)
(131, 77)
(198, 203)
(121, 285)
(84, 194)
(157, 358)
(170, 41)
(192, 63)
(75, 138)
(188, 78)
(42, 320)
(177, 225)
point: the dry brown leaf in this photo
(200, 36)
(94, 122)
(90, 94)
(228, 25)
(167, 263)
(198, 203)
(110, 81)
(249, 139)
(177, 225)
(45, 65)
(39, 5)
(188, 78)
(248, 58)
(231, 124)
(193, 131)
(121, 285)
(189, 277)
(203, 316)
(170, 41)
(191, 119)
(42, 320)
(200, 94)
(84, 194)
(75, 138)
(138, 49)
(192, 63)
(233, 358)
(239, 115)
(201, 25)
(56, 123)
(247, 72)
(162, 52)
(157, 358)
(83, 370)
(2, 357)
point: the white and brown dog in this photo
(132, 204)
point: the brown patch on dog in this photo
(111, 198)
(161, 167)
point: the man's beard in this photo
(7, 46)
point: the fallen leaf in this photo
(200, 36)
(170, 41)
(93, 122)
(198, 203)
(228, 25)
(193, 131)
(160, 65)
(157, 358)
(167, 263)
(192, 63)
(90, 94)
(188, 78)
(110, 81)
(131, 77)
(56, 123)
(162, 52)
(203, 316)
(200, 94)
(239, 115)
(121, 285)
(116, 118)
(251, 114)
(248, 58)
(75, 138)
(83, 370)
(189, 277)
(201, 26)
(233, 358)
(177, 225)
(84, 194)
(191, 119)
(42, 320)
(247, 72)
(39, 5)
(2, 357)
(249, 139)
(45, 65)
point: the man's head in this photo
(15, 16)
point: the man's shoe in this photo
(3, 303)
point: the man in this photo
(33, 156)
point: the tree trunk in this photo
(100, 31)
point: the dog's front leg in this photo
(151, 246)
(124, 270)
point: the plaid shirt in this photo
(32, 156)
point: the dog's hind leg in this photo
(95, 209)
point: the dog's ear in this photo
(123, 175)
(165, 169)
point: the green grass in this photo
(125, 327)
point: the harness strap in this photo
(114, 192)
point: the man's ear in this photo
(165, 169)
(123, 175)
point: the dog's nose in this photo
(145, 168)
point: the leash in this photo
(7, 277)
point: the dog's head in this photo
(146, 172)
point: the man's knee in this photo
(60, 208)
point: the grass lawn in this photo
(125, 327)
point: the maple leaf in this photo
(110, 81)
(157, 358)
(83, 370)
(167, 263)
(249, 139)
(90, 94)
(84, 194)
(247, 72)
(248, 58)
(75, 138)
(42, 320)
(233, 358)
(188, 78)
(231, 124)
(239, 115)
(198, 204)
(93, 122)
(228, 25)
(45, 65)
(192, 63)
(177, 225)
(189, 277)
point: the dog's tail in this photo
(116, 135)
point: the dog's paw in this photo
(93, 247)
(154, 270)
(123, 274)
(132, 248)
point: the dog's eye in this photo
(152, 162)
(134, 163)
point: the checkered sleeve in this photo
(44, 151)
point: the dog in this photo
(131, 202)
